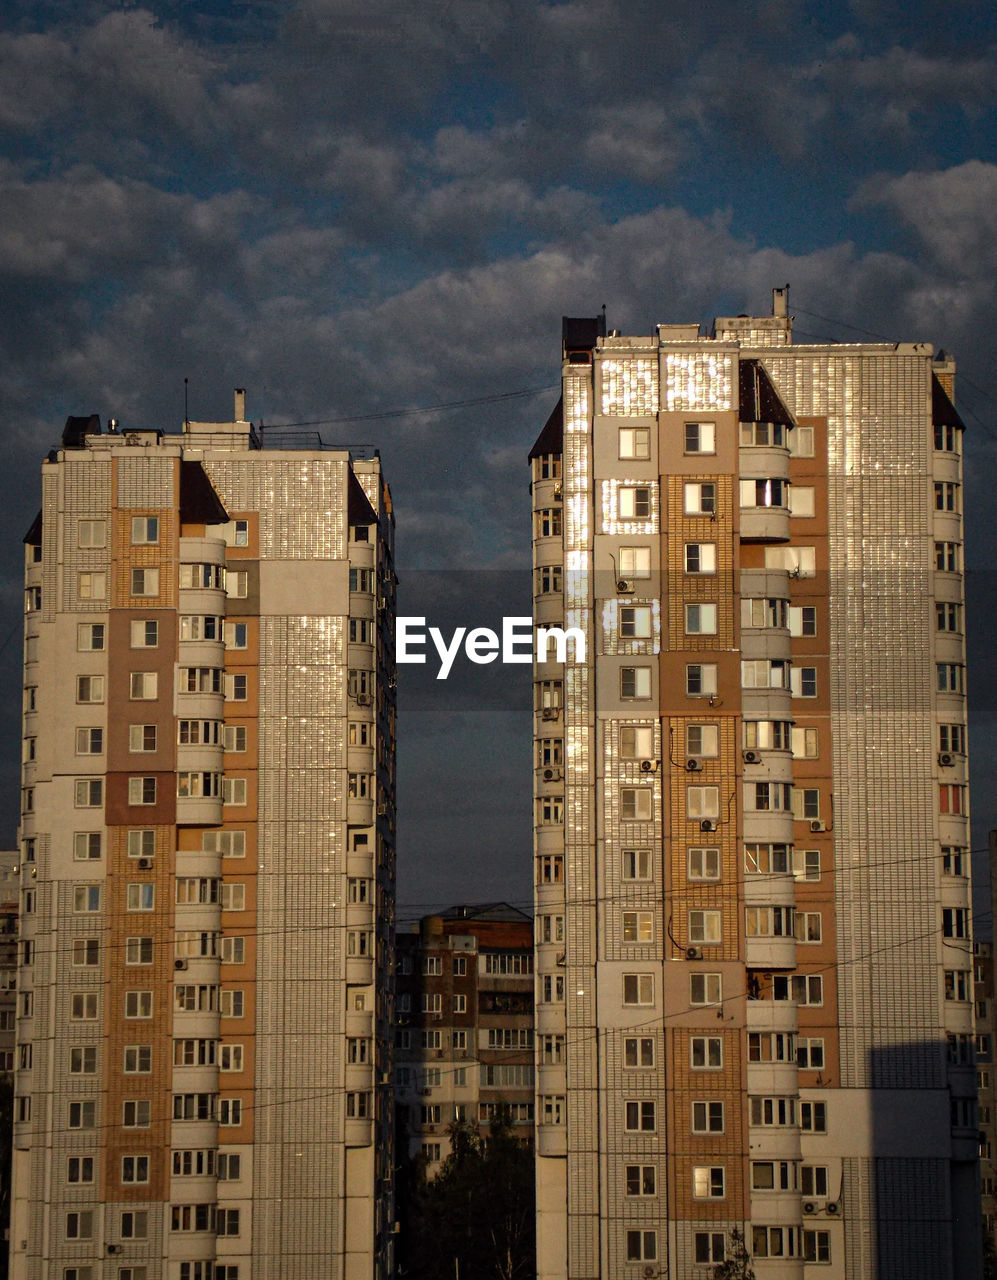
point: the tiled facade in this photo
(751, 810)
(207, 862)
(464, 1025)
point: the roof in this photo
(551, 439)
(199, 503)
(943, 411)
(486, 911)
(34, 535)
(358, 508)
(759, 400)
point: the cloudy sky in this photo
(358, 208)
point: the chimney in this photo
(240, 404)
(780, 301)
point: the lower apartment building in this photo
(464, 1026)
(203, 1026)
(754, 959)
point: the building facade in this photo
(464, 1034)
(207, 862)
(754, 967)
(985, 987)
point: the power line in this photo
(429, 408)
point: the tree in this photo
(737, 1265)
(476, 1220)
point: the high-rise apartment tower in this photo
(754, 973)
(207, 864)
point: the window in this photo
(702, 802)
(802, 501)
(817, 1246)
(771, 1046)
(635, 622)
(947, 438)
(86, 897)
(805, 743)
(145, 530)
(134, 1169)
(142, 843)
(138, 1004)
(702, 740)
(200, 626)
(955, 860)
(229, 1166)
(638, 1051)
(763, 493)
(89, 793)
(765, 612)
(699, 498)
(706, 1053)
(700, 557)
(952, 738)
(140, 897)
(707, 1117)
(806, 803)
(83, 1006)
(193, 1217)
(358, 1107)
(635, 443)
(83, 1060)
(91, 534)
(704, 927)
(773, 1175)
(813, 1117)
(636, 864)
(948, 616)
(80, 1169)
(137, 1059)
(802, 989)
(947, 556)
(237, 634)
(700, 437)
(950, 677)
(701, 679)
(144, 633)
(773, 1112)
(635, 682)
(141, 738)
(638, 926)
(552, 1109)
(79, 1224)
(234, 791)
(237, 688)
(82, 1115)
(142, 686)
(813, 1179)
(200, 680)
(92, 586)
(634, 502)
(636, 742)
(233, 950)
(227, 1223)
(145, 582)
(640, 1180)
(194, 1106)
(87, 846)
(550, 868)
(951, 798)
(90, 637)
(710, 1246)
(946, 496)
(196, 889)
(958, 984)
(233, 897)
(86, 952)
(803, 620)
(636, 804)
(705, 988)
(236, 584)
(955, 922)
(708, 1182)
(769, 922)
(635, 562)
(765, 673)
(703, 863)
(548, 522)
(548, 579)
(235, 738)
(638, 988)
(230, 1110)
(701, 619)
(88, 689)
(806, 864)
(551, 992)
(639, 1117)
(142, 790)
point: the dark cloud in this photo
(352, 207)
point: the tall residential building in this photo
(207, 838)
(751, 810)
(985, 985)
(464, 1037)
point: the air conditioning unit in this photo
(145, 864)
(809, 1206)
(649, 1271)
(649, 766)
(552, 775)
(382, 810)
(624, 586)
(946, 759)
(363, 699)
(179, 963)
(692, 765)
(708, 825)
(833, 1208)
(549, 713)
(694, 953)
(750, 757)
(557, 491)
(818, 826)
(426, 1093)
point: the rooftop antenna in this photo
(186, 410)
